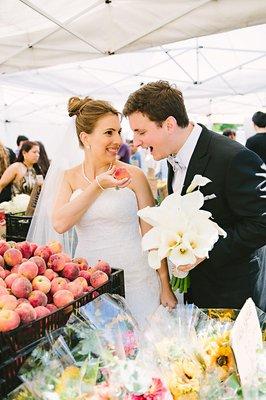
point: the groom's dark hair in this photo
(158, 101)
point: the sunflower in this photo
(185, 380)
(223, 360)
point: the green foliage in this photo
(222, 127)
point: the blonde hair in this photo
(88, 112)
(4, 159)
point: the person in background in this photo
(135, 158)
(124, 153)
(7, 157)
(257, 142)
(23, 174)
(20, 140)
(230, 134)
(44, 161)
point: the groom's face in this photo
(148, 134)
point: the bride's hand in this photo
(106, 180)
(168, 298)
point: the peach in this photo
(4, 246)
(2, 273)
(8, 302)
(62, 298)
(39, 261)
(28, 269)
(58, 284)
(33, 247)
(41, 283)
(14, 269)
(2, 283)
(7, 272)
(98, 278)
(21, 287)
(70, 271)
(57, 262)
(55, 246)
(9, 319)
(82, 263)
(89, 289)
(76, 289)
(103, 266)
(12, 257)
(121, 173)
(86, 275)
(26, 312)
(22, 301)
(43, 251)
(50, 274)
(3, 290)
(10, 279)
(2, 261)
(25, 248)
(81, 281)
(51, 307)
(95, 294)
(41, 312)
(37, 298)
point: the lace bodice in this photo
(110, 230)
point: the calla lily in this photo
(181, 231)
(197, 181)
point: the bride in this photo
(104, 209)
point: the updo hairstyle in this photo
(88, 112)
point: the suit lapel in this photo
(170, 178)
(199, 158)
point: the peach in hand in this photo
(9, 319)
(121, 173)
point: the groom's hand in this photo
(188, 267)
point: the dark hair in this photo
(88, 112)
(21, 138)
(158, 101)
(259, 119)
(43, 161)
(229, 132)
(27, 146)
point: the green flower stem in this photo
(182, 284)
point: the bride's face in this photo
(105, 139)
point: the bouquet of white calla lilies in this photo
(181, 231)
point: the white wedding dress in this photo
(109, 230)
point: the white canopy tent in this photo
(222, 76)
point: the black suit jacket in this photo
(228, 277)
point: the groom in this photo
(158, 118)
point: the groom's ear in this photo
(170, 124)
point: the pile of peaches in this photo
(37, 280)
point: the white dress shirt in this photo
(183, 157)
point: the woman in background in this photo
(43, 162)
(23, 174)
(7, 157)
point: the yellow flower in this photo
(223, 360)
(185, 379)
(70, 374)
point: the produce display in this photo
(37, 280)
